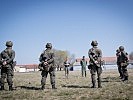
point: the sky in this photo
(69, 25)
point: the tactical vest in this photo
(95, 55)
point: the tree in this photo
(72, 60)
(60, 57)
(131, 56)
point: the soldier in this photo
(123, 60)
(83, 64)
(95, 56)
(118, 63)
(7, 65)
(66, 65)
(47, 66)
(0, 69)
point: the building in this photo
(26, 68)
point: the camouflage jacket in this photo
(123, 58)
(95, 55)
(7, 55)
(47, 56)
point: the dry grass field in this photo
(27, 86)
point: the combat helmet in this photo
(48, 45)
(121, 48)
(9, 44)
(94, 43)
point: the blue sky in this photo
(68, 24)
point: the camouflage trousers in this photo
(120, 71)
(124, 71)
(45, 74)
(94, 69)
(6, 72)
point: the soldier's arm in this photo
(4, 56)
(90, 56)
(11, 58)
(0, 59)
(125, 54)
(99, 55)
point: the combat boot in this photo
(93, 85)
(43, 87)
(125, 79)
(121, 77)
(53, 87)
(10, 88)
(2, 88)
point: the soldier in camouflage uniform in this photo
(47, 66)
(118, 63)
(123, 60)
(95, 56)
(83, 64)
(7, 65)
(0, 69)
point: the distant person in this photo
(7, 65)
(95, 55)
(123, 63)
(119, 63)
(83, 64)
(47, 66)
(66, 66)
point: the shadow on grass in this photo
(29, 87)
(75, 86)
(111, 79)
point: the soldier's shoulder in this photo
(90, 49)
(98, 49)
(125, 52)
(13, 50)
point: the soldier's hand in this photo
(45, 63)
(4, 63)
(96, 62)
(41, 69)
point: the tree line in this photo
(60, 57)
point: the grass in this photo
(27, 87)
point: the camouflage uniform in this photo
(83, 64)
(7, 65)
(47, 66)
(123, 60)
(95, 56)
(118, 63)
(0, 69)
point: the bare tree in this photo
(131, 56)
(60, 57)
(72, 61)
